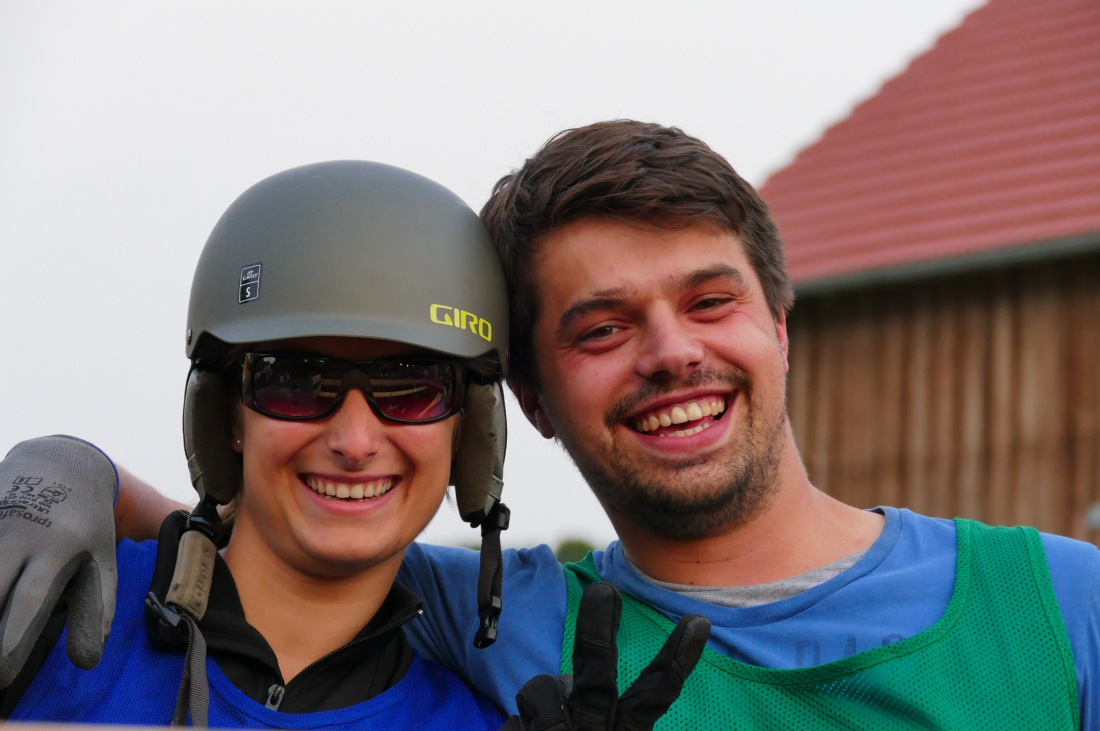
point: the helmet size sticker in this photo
(250, 283)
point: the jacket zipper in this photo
(275, 696)
(276, 692)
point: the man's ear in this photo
(531, 403)
(784, 342)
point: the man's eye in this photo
(710, 303)
(598, 333)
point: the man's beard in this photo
(678, 506)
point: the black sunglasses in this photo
(302, 386)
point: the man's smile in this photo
(694, 414)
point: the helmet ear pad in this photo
(216, 469)
(477, 470)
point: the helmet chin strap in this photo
(177, 617)
(490, 580)
(477, 473)
(216, 475)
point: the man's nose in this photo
(669, 348)
(355, 431)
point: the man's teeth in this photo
(681, 414)
(344, 491)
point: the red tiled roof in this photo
(988, 141)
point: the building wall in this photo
(976, 395)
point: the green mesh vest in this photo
(999, 658)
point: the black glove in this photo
(57, 537)
(589, 700)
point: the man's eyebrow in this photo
(600, 300)
(718, 271)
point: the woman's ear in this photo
(236, 427)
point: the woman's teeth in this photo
(346, 491)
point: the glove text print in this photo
(32, 498)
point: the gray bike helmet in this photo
(354, 249)
(348, 248)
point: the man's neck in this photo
(800, 529)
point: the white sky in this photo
(128, 126)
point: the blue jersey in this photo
(136, 683)
(899, 588)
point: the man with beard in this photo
(648, 297)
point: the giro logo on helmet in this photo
(463, 320)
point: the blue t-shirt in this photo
(899, 588)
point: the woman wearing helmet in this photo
(334, 380)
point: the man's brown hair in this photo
(632, 171)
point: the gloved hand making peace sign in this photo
(589, 699)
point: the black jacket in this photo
(373, 662)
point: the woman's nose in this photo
(355, 431)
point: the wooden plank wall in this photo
(976, 396)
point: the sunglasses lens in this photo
(413, 391)
(293, 386)
(296, 386)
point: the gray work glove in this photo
(57, 539)
(589, 700)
